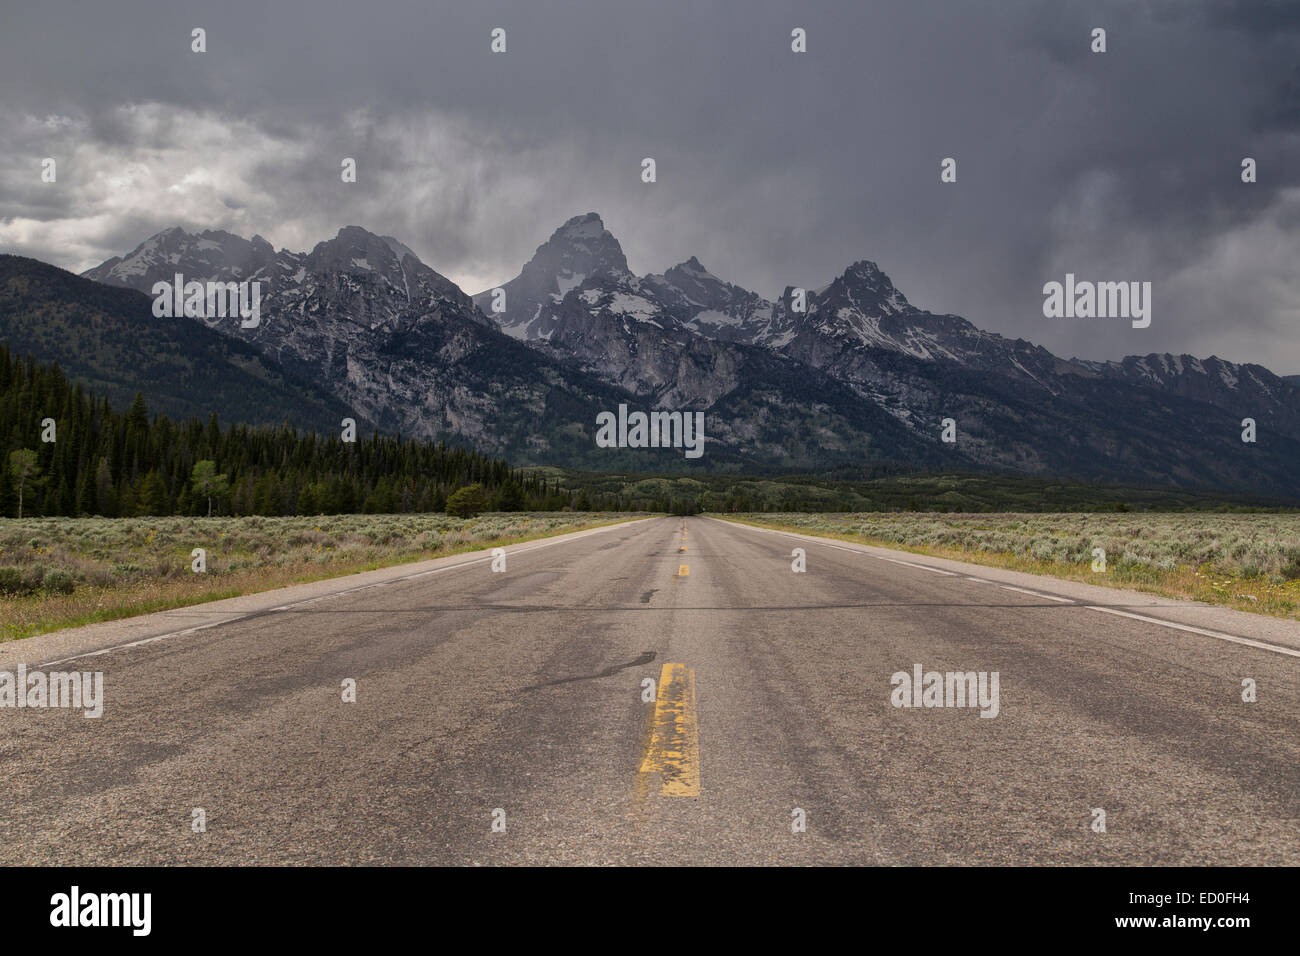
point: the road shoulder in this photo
(89, 639)
(1173, 611)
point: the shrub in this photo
(1291, 564)
(22, 581)
(13, 581)
(58, 581)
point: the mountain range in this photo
(843, 379)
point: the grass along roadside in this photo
(1249, 562)
(65, 572)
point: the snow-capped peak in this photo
(580, 250)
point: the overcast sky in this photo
(774, 168)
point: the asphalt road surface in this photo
(501, 718)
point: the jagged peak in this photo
(585, 233)
(586, 226)
(359, 238)
(170, 234)
(865, 276)
(866, 272)
(582, 246)
(356, 232)
(694, 268)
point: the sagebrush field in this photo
(59, 572)
(1247, 561)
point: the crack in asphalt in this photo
(645, 658)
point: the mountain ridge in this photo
(108, 338)
(409, 351)
(686, 338)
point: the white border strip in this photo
(556, 539)
(1249, 642)
(1219, 635)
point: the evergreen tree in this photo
(8, 494)
(151, 496)
(105, 496)
(86, 493)
(467, 502)
(111, 463)
(511, 497)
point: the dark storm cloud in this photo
(1266, 17)
(774, 168)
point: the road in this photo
(500, 719)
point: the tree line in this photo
(65, 452)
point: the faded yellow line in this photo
(674, 749)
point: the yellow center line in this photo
(683, 570)
(674, 749)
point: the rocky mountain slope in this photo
(405, 348)
(858, 375)
(108, 339)
(1017, 406)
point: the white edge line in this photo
(1245, 641)
(1037, 594)
(1248, 642)
(558, 539)
(923, 567)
